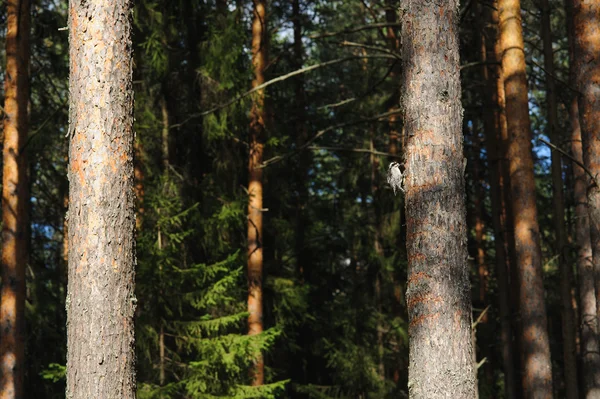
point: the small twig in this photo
(480, 317)
(564, 153)
(338, 104)
(481, 362)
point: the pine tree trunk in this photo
(584, 65)
(535, 345)
(15, 198)
(567, 316)
(494, 123)
(255, 185)
(438, 295)
(100, 301)
(139, 189)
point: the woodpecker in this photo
(395, 178)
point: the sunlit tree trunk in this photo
(586, 46)
(494, 124)
(438, 295)
(567, 317)
(100, 300)
(590, 355)
(535, 345)
(255, 185)
(15, 197)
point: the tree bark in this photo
(255, 185)
(583, 17)
(590, 355)
(100, 300)
(535, 346)
(494, 126)
(15, 198)
(438, 295)
(568, 318)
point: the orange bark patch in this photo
(422, 298)
(415, 277)
(421, 319)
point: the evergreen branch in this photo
(361, 150)
(276, 80)
(320, 133)
(369, 47)
(356, 29)
(564, 153)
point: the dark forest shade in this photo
(15, 199)
(100, 300)
(438, 296)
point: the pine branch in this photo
(279, 79)
(320, 133)
(565, 154)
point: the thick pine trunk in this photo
(567, 316)
(100, 300)
(15, 197)
(255, 185)
(438, 295)
(535, 345)
(590, 356)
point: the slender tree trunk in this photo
(100, 301)
(535, 345)
(507, 219)
(255, 185)
(590, 355)
(15, 198)
(582, 21)
(568, 319)
(438, 295)
(494, 124)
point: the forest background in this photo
(334, 272)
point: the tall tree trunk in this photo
(255, 184)
(586, 19)
(15, 198)
(100, 301)
(507, 219)
(568, 319)
(535, 345)
(494, 124)
(438, 295)
(590, 355)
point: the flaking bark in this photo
(100, 300)
(438, 295)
